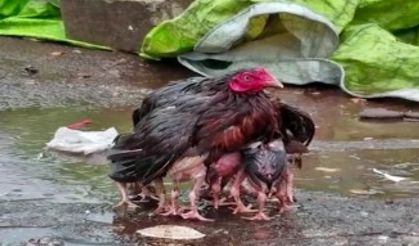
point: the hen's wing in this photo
(297, 130)
(296, 124)
(166, 96)
(233, 122)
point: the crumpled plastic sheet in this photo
(82, 142)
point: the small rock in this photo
(409, 119)
(118, 228)
(362, 192)
(56, 53)
(262, 235)
(411, 114)
(30, 82)
(358, 100)
(380, 113)
(171, 232)
(84, 75)
(45, 241)
(383, 238)
(115, 73)
(76, 51)
(364, 214)
(31, 70)
(389, 201)
(327, 169)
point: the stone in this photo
(120, 24)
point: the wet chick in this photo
(265, 167)
(221, 173)
(193, 169)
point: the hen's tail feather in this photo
(158, 167)
(134, 166)
(126, 142)
(123, 166)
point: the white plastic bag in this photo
(82, 142)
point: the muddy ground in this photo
(67, 200)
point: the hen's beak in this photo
(275, 83)
(269, 78)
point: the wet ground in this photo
(50, 196)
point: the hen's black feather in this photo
(297, 125)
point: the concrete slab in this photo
(120, 24)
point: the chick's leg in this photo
(146, 193)
(216, 191)
(261, 199)
(193, 198)
(140, 193)
(281, 194)
(235, 193)
(174, 206)
(289, 180)
(161, 194)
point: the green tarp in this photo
(39, 19)
(377, 49)
(369, 48)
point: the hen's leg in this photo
(122, 188)
(193, 197)
(235, 193)
(162, 195)
(140, 193)
(146, 192)
(174, 195)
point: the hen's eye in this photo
(246, 78)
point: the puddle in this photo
(25, 132)
(15, 236)
(26, 170)
(351, 171)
